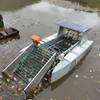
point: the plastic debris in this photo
(67, 98)
(11, 76)
(1, 89)
(12, 87)
(35, 92)
(85, 77)
(87, 97)
(15, 79)
(51, 98)
(91, 70)
(29, 79)
(37, 23)
(98, 90)
(42, 60)
(15, 94)
(76, 76)
(40, 85)
(0, 76)
(98, 82)
(19, 89)
(92, 76)
(99, 54)
(0, 82)
(29, 99)
(8, 80)
(21, 83)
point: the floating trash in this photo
(85, 77)
(0, 82)
(87, 97)
(19, 91)
(91, 71)
(92, 76)
(1, 98)
(51, 98)
(12, 87)
(98, 90)
(76, 76)
(67, 98)
(8, 80)
(29, 79)
(0, 76)
(11, 76)
(21, 83)
(98, 82)
(15, 79)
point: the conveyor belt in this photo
(31, 66)
(61, 45)
(31, 62)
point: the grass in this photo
(90, 3)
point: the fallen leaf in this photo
(0, 76)
(98, 90)
(8, 80)
(98, 82)
(1, 98)
(21, 83)
(85, 77)
(15, 79)
(12, 87)
(19, 89)
(91, 70)
(87, 97)
(51, 98)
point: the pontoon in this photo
(58, 53)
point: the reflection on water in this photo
(60, 81)
(44, 13)
(15, 4)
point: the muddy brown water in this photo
(29, 18)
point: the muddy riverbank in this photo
(75, 5)
(41, 18)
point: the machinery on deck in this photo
(57, 54)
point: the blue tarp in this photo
(73, 26)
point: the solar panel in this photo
(74, 26)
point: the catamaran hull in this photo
(70, 60)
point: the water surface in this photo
(41, 18)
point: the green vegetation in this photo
(90, 3)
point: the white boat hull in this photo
(70, 60)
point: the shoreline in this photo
(76, 6)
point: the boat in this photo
(57, 54)
(8, 32)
